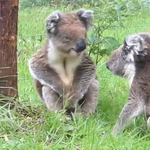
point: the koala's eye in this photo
(66, 38)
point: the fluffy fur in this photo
(132, 60)
(63, 73)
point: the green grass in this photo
(30, 126)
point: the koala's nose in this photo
(80, 45)
(107, 66)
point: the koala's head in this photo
(67, 31)
(130, 57)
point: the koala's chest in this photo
(66, 69)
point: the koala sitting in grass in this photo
(132, 60)
(63, 73)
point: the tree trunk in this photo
(8, 48)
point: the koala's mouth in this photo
(73, 52)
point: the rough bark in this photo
(8, 47)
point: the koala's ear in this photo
(85, 16)
(134, 48)
(52, 20)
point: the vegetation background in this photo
(30, 126)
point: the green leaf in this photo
(110, 43)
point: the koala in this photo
(64, 75)
(132, 60)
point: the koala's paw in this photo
(69, 112)
(117, 129)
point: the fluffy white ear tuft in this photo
(51, 21)
(85, 16)
(134, 48)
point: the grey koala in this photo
(132, 60)
(62, 71)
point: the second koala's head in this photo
(67, 31)
(131, 56)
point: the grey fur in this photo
(53, 89)
(51, 21)
(48, 83)
(85, 16)
(132, 60)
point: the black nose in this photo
(107, 66)
(80, 45)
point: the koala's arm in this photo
(132, 108)
(38, 87)
(40, 70)
(84, 74)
